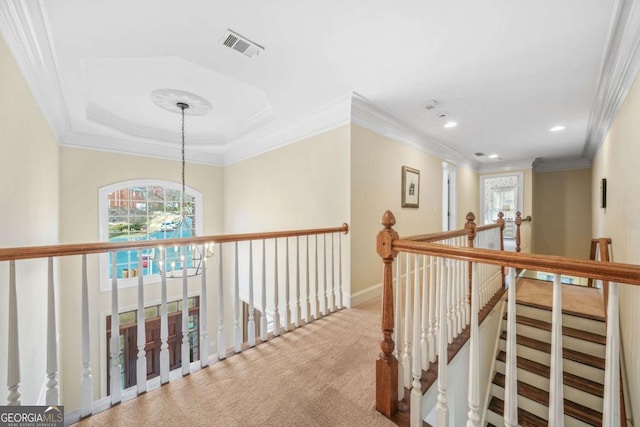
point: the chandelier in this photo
(178, 259)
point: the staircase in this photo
(583, 364)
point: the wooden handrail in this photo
(439, 236)
(615, 272)
(32, 252)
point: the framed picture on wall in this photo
(410, 187)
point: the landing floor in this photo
(579, 300)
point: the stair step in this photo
(576, 356)
(593, 325)
(525, 419)
(567, 331)
(571, 409)
(569, 379)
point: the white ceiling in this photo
(505, 71)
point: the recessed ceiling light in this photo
(557, 128)
(450, 124)
(493, 156)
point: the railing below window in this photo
(254, 285)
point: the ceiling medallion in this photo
(169, 99)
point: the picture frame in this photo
(410, 187)
(603, 193)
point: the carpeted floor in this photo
(322, 374)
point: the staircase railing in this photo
(254, 286)
(444, 257)
(418, 281)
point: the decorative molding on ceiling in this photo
(25, 29)
(364, 113)
(618, 72)
(555, 165)
(141, 147)
(135, 129)
(499, 167)
(320, 120)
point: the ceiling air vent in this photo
(242, 44)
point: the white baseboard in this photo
(363, 296)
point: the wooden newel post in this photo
(518, 222)
(470, 226)
(501, 222)
(387, 364)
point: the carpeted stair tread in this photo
(564, 311)
(525, 419)
(576, 356)
(570, 332)
(540, 396)
(569, 379)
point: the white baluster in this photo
(276, 311)
(114, 372)
(442, 406)
(449, 301)
(251, 323)
(52, 397)
(424, 347)
(237, 329)
(556, 393)
(13, 356)
(86, 378)
(141, 363)
(307, 287)
(467, 295)
(287, 286)
(474, 356)
(164, 320)
(298, 321)
(327, 310)
(611, 409)
(406, 353)
(222, 341)
(263, 297)
(203, 313)
(340, 303)
(431, 338)
(398, 329)
(316, 285)
(185, 357)
(511, 369)
(332, 297)
(416, 390)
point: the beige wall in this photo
(301, 185)
(376, 165)
(562, 213)
(29, 206)
(617, 161)
(82, 173)
(468, 194)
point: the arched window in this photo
(145, 210)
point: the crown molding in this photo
(499, 167)
(140, 147)
(364, 113)
(320, 120)
(618, 72)
(555, 165)
(25, 28)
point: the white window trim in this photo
(103, 222)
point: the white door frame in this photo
(449, 206)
